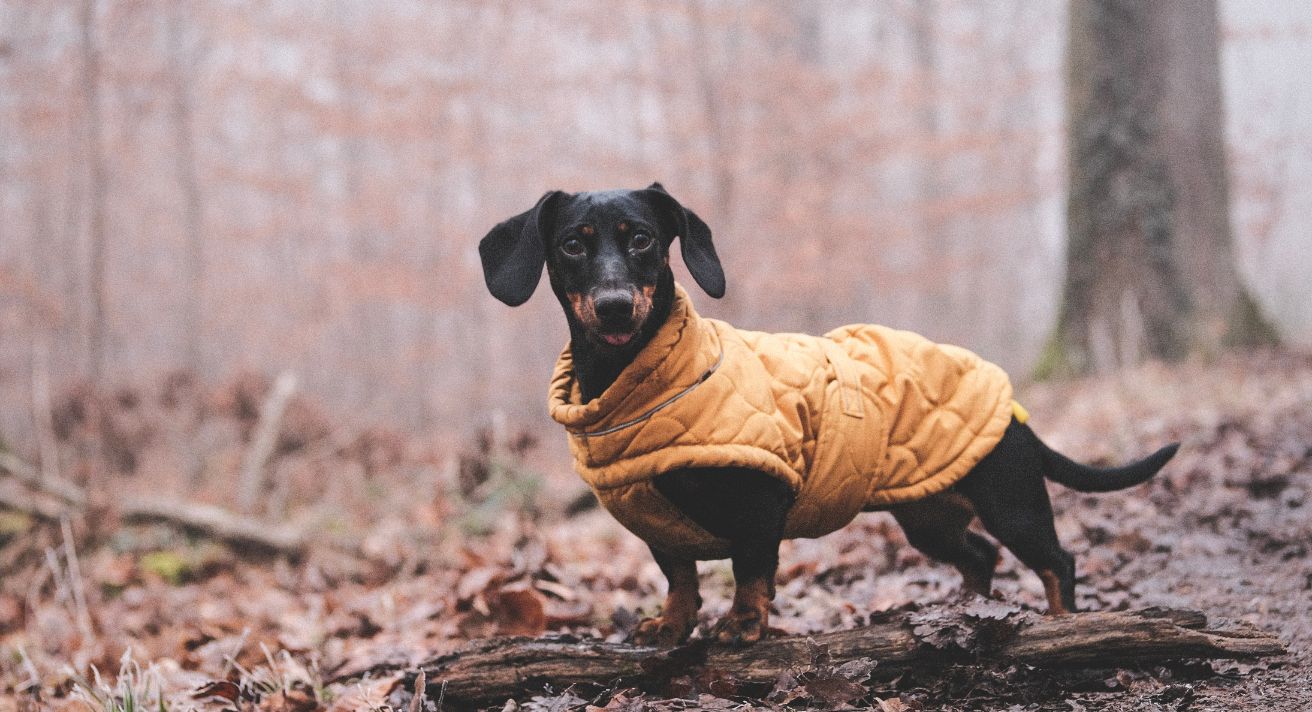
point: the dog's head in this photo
(606, 254)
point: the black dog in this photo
(607, 257)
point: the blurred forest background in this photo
(266, 441)
(258, 187)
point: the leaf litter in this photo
(456, 546)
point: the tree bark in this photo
(490, 671)
(1150, 263)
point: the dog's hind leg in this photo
(1008, 492)
(936, 526)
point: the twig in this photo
(61, 587)
(33, 596)
(33, 681)
(266, 437)
(280, 679)
(417, 702)
(230, 659)
(75, 580)
(68, 583)
(42, 419)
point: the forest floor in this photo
(419, 545)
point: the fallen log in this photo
(493, 670)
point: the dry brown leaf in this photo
(518, 611)
(218, 689)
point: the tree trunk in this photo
(1150, 264)
(95, 318)
(490, 671)
(182, 58)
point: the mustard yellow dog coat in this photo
(862, 416)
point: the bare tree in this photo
(1150, 265)
(96, 326)
(720, 130)
(934, 239)
(182, 57)
(318, 178)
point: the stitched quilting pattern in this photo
(907, 419)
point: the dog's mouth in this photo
(616, 338)
(619, 330)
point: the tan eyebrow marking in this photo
(587, 230)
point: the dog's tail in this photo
(1084, 478)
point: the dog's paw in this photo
(661, 632)
(742, 626)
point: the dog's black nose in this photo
(614, 307)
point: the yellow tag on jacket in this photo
(862, 416)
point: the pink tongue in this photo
(616, 339)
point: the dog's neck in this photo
(596, 369)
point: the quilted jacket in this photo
(863, 416)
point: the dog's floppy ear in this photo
(694, 240)
(514, 252)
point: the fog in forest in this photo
(300, 186)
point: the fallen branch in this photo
(53, 499)
(13, 495)
(493, 670)
(266, 437)
(50, 483)
(218, 523)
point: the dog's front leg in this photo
(754, 565)
(682, 601)
(748, 509)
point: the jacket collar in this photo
(679, 356)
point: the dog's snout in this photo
(614, 306)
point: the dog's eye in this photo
(573, 247)
(641, 241)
